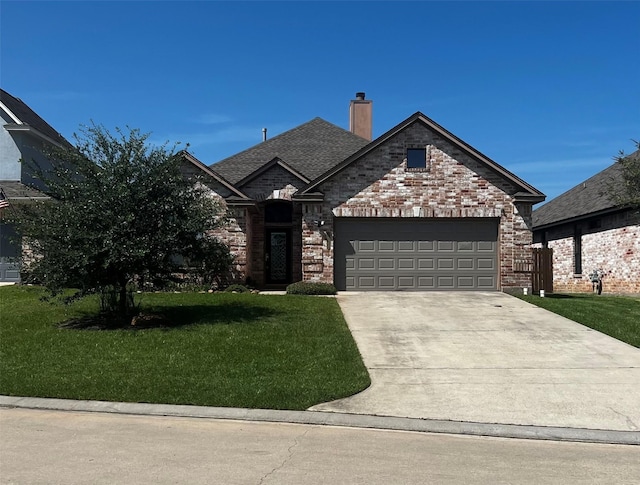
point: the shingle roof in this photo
(311, 149)
(29, 117)
(17, 190)
(588, 197)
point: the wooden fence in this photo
(542, 270)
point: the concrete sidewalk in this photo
(488, 358)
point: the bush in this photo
(311, 288)
(237, 289)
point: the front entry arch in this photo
(278, 220)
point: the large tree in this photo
(120, 209)
(626, 192)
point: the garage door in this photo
(416, 254)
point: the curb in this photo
(332, 419)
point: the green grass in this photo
(616, 316)
(240, 350)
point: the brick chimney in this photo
(360, 117)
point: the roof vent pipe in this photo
(264, 134)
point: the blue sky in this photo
(550, 90)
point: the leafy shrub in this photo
(311, 288)
(237, 289)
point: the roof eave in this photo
(32, 131)
(529, 197)
(582, 217)
(308, 197)
(233, 202)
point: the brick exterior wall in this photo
(275, 183)
(234, 232)
(453, 185)
(610, 243)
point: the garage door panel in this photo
(486, 263)
(416, 254)
(446, 282)
(466, 282)
(426, 263)
(366, 263)
(406, 282)
(367, 282)
(445, 245)
(406, 263)
(488, 246)
(426, 283)
(445, 263)
(386, 263)
(387, 283)
(365, 246)
(427, 246)
(486, 282)
(386, 246)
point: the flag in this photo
(4, 202)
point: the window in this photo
(417, 158)
(278, 212)
(577, 250)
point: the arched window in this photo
(280, 212)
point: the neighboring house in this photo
(415, 209)
(588, 231)
(24, 136)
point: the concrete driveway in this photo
(490, 358)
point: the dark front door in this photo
(278, 256)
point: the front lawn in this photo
(240, 350)
(616, 316)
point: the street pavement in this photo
(69, 447)
(488, 357)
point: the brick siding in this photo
(610, 243)
(453, 185)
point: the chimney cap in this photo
(360, 96)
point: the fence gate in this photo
(542, 271)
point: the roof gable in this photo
(526, 192)
(188, 157)
(268, 166)
(309, 150)
(588, 197)
(25, 119)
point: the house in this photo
(24, 136)
(415, 209)
(587, 230)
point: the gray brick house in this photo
(415, 209)
(588, 231)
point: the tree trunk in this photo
(123, 300)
